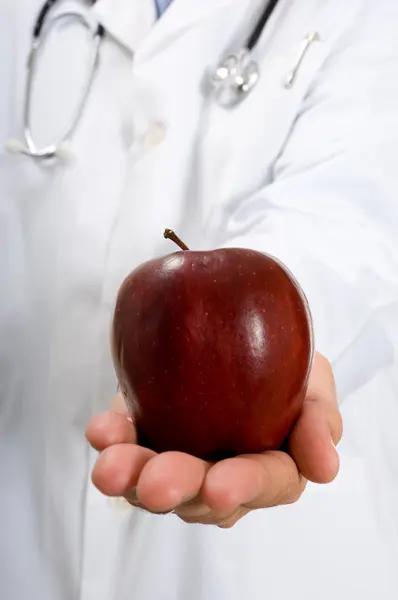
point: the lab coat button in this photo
(154, 135)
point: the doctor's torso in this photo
(153, 150)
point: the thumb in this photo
(313, 441)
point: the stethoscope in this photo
(231, 82)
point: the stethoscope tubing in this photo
(238, 73)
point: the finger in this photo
(231, 483)
(282, 484)
(108, 429)
(254, 481)
(170, 479)
(118, 468)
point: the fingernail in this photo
(132, 496)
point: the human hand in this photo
(224, 492)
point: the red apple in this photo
(213, 351)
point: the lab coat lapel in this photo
(179, 17)
(127, 21)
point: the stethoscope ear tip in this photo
(14, 147)
(65, 153)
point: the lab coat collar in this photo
(129, 21)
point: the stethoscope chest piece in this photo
(234, 79)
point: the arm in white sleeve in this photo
(331, 211)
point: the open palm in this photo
(224, 492)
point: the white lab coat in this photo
(309, 174)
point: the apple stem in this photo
(170, 235)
